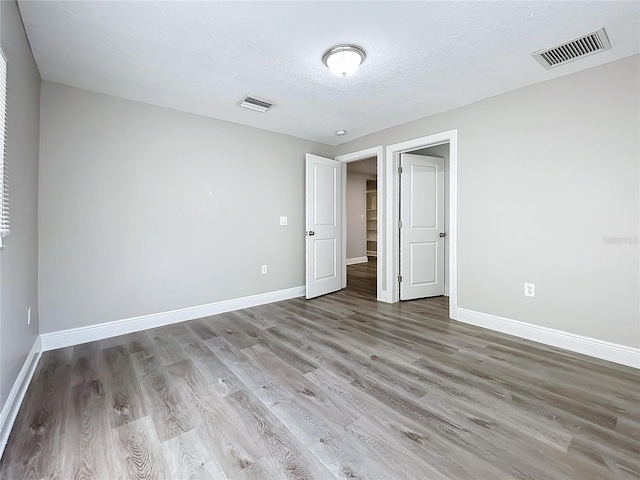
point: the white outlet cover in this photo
(283, 220)
(264, 269)
(529, 290)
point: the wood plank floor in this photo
(336, 387)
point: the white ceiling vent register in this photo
(588, 44)
(255, 103)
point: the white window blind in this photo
(4, 190)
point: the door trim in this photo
(392, 203)
(377, 152)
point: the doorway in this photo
(388, 212)
(362, 227)
(371, 154)
(391, 237)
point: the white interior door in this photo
(323, 224)
(422, 226)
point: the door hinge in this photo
(399, 278)
(400, 169)
(399, 223)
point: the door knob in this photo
(442, 234)
(311, 233)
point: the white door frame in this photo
(377, 152)
(392, 204)
(388, 212)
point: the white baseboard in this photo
(77, 336)
(16, 395)
(612, 352)
(351, 261)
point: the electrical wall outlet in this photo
(264, 269)
(529, 290)
(29, 315)
(284, 220)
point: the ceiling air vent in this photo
(255, 103)
(588, 44)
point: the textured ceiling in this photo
(422, 57)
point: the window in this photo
(4, 191)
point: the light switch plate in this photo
(283, 220)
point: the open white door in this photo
(422, 226)
(323, 224)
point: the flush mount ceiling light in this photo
(341, 133)
(344, 60)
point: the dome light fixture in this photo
(341, 133)
(344, 59)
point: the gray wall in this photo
(356, 206)
(546, 174)
(145, 210)
(19, 259)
